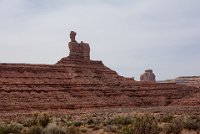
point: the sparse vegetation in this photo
(53, 129)
(120, 121)
(166, 118)
(34, 130)
(192, 123)
(39, 119)
(175, 127)
(72, 130)
(10, 128)
(77, 124)
(146, 124)
(42, 123)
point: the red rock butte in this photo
(76, 82)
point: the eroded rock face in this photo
(76, 83)
(78, 50)
(148, 76)
(73, 36)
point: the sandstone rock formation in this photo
(78, 50)
(76, 82)
(148, 76)
(73, 36)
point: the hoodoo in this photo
(78, 50)
(77, 82)
(148, 76)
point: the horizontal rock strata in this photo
(73, 84)
(76, 82)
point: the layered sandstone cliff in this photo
(76, 82)
(189, 80)
(185, 80)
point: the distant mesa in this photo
(148, 76)
(193, 81)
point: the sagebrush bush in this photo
(126, 130)
(192, 123)
(43, 119)
(146, 124)
(53, 129)
(120, 121)
(72, 130)
(10, 128)
(111, 128)
(175, 127)
(77, 124)
(93, 121)
(39, 119)
(34, 130)
(166, 118)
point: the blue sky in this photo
(129, 36)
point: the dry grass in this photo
(112, 121)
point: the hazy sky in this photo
(129, 36)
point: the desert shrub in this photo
(93, 121)
(53, 129)
(146, 124)
(25, 130)
(120, 121)
(72, 130)
(77, 124)
(34, 130)
(43, 119)
(166, 118)
(112, 128)
(141, 125)
(192, 123)
(126, 130)
(10, 128)
(39, 119)
(175, 127)
(68, 117)
(90, 121)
